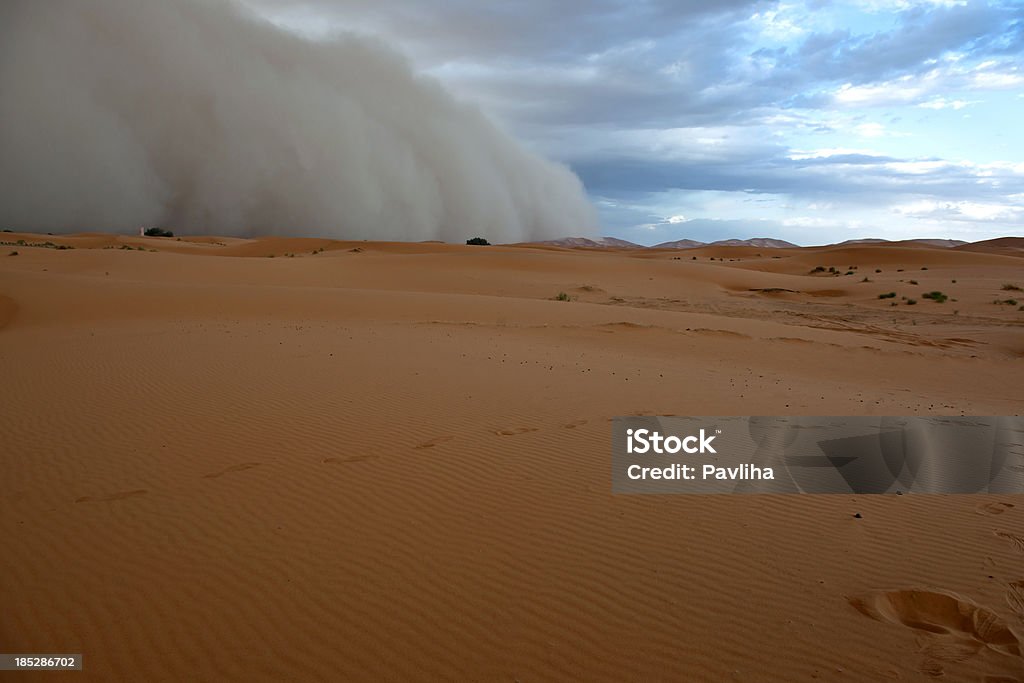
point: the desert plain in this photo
(305, 459)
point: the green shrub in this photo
(562, 296)
(937, 297)
(1008, 287)
(478, 241)
(887, 295)
(911, 302)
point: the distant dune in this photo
(760, 242)
(1000, 245)
(307, 459)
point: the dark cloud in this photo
(572, 77)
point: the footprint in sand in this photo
(120, 495)
(993, 508)
(234, 468)
(354, 458)
(433, 442)
(1015, 598)
(574, 424)
(515, 431)
(1016, 541)
(954, 628)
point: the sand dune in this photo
(387, 461)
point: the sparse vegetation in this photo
(936, 296)
(1009, 287)
(44, 245)
(157, 232)
(911, 302)
(878, 270)
(13, 253)
(913, 282)
(1008, 302)
(817, 269)
(562, 296)
(478, 241)
(887, 295)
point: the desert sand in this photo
(387, 461)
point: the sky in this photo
(811, 121)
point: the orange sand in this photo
(391, 462)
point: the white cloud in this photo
(943, 103)
(824, 153)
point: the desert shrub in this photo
(878, 270)
(887, 295)
(936, 296)
(157, 232)
(562, 296)
(478, 241)
(913, 282)
(817, 269)
(1009, 287)
(911, 302)
(13, 253)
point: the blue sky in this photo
(809, 121)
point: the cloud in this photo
(201, 117)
